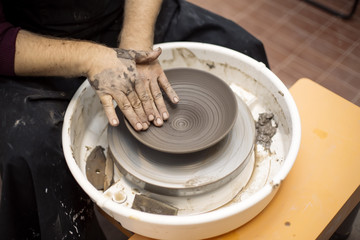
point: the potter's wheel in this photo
(86, 127)
(176, 177)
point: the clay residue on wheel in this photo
(265, 129)
(146, 204)
(99, 169)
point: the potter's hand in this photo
(114, 77)
(155, 79)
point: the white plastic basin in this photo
(85, 127)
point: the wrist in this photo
(97, 58)
(129, 40)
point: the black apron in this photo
(40, 198)
(63, 18)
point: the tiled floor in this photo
(301, 40)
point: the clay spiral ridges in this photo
(205, 114)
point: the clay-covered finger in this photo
(107, 102)
(147, 56)
(138, 108)
(166, 86)
(145, 98)
(159, 100)
(128, 111)
(158, 120)
(150, 102)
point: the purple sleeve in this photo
(8, 35)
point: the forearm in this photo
(111, 72)
(44, 56)
(139, 24)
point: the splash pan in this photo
(85, 127)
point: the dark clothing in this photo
(65, 18)
(40, 198)
(8, 35)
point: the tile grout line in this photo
(250, 8)
(356, 98)
(305, 43)
(281, 21)
(338, 62)
(277, 26)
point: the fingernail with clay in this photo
(138, 126)
(159, 121)
(114, 122)
(176, 99)
(151, 117)
(145, 126)
(165, 115)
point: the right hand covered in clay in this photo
(113, 75)
(154, 80)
